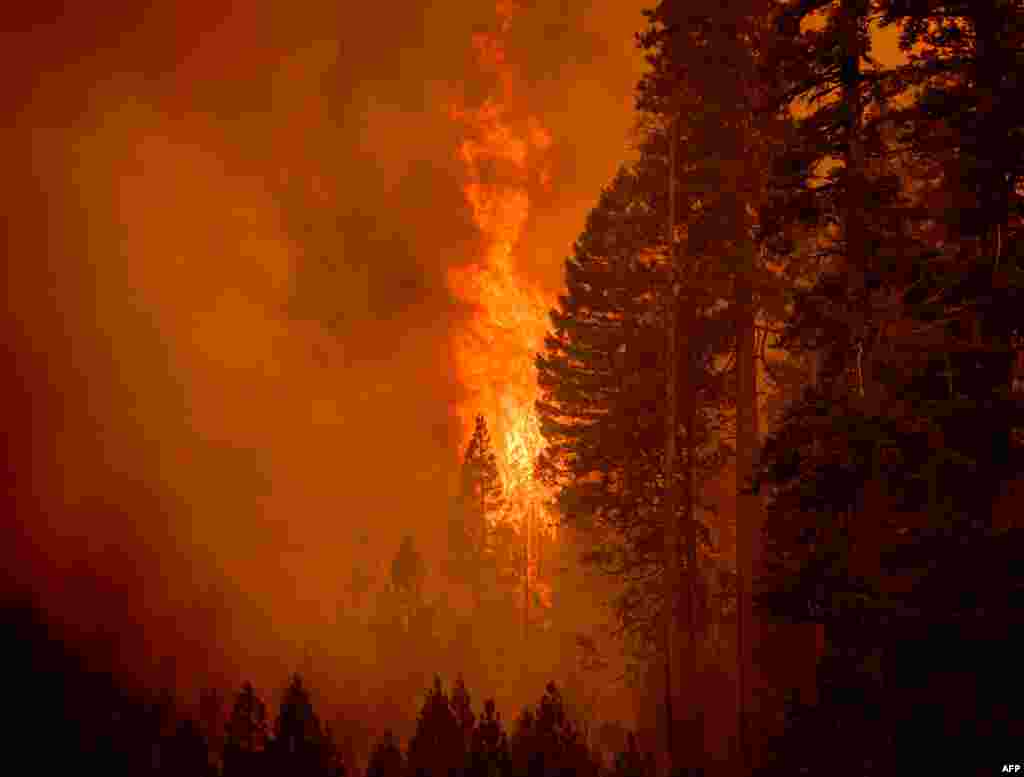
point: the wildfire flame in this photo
(494, 353)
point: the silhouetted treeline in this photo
(68, 715)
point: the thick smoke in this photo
(229, 226)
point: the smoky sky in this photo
(227, 325)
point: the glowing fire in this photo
(495, 352)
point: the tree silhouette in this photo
(871, 530)
(300, 745)
(629, 762)
(479, 501)
(386, 758)
(187, 751)
(437, 749)
(481, 489)
(603, 382)
(211, 716)
(245, 733)
(407, 573)
(548, 744)
(489, 754)
(463, 709)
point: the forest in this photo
(771, 447)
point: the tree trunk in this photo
(527, 520)
(748, 515)
(695, 716)
(865, 561)
(671, 549)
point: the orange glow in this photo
(494, 352)
(232, 318)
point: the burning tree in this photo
(477, 507)
(494, 353)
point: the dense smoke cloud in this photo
(229, 225)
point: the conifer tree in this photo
(602, 389)
(187, 751)
(299, 745)
(408, 571)
(547, 743)
(463, 709)
(211, 715)
(629, 762)
(935, 322)
(481, 487)
(703, 59)
(245, 733)
(438, 746)
(479, 502)
(489, 754)
(386, 758)
(963, 57)
(913, 348)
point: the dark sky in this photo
(228, 226)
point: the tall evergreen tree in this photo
(438, 748)
(605, 383)
(299, 745)
(481, 487)
(915, 398)
(211, 716)
(703, 59)
(188, 751)
(245, 733)
(629, 762)
(386, 758)
(478, 503)
(602, 389)
(408, 570)
(489, 754)
(547, 743)
(462, 708)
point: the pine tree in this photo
(331, 762)
(408, 570)
(245, 733)
(386, 758)
(299, 745)
(629, 762)
(479, 502)
(481, 487)
(548, 744)
(437, 749)
(463, 709)
(963, 72)
(187, 751)
(967, 121)
(938, 350)
(920, 356)
(211, 714)
(360, 578)
(489, 754)
(602, 379)
(703, 59)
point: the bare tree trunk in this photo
(695, 716)
(671, 550)
(865, 561)
(527, 520)
(670, 733)
(748, 515)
